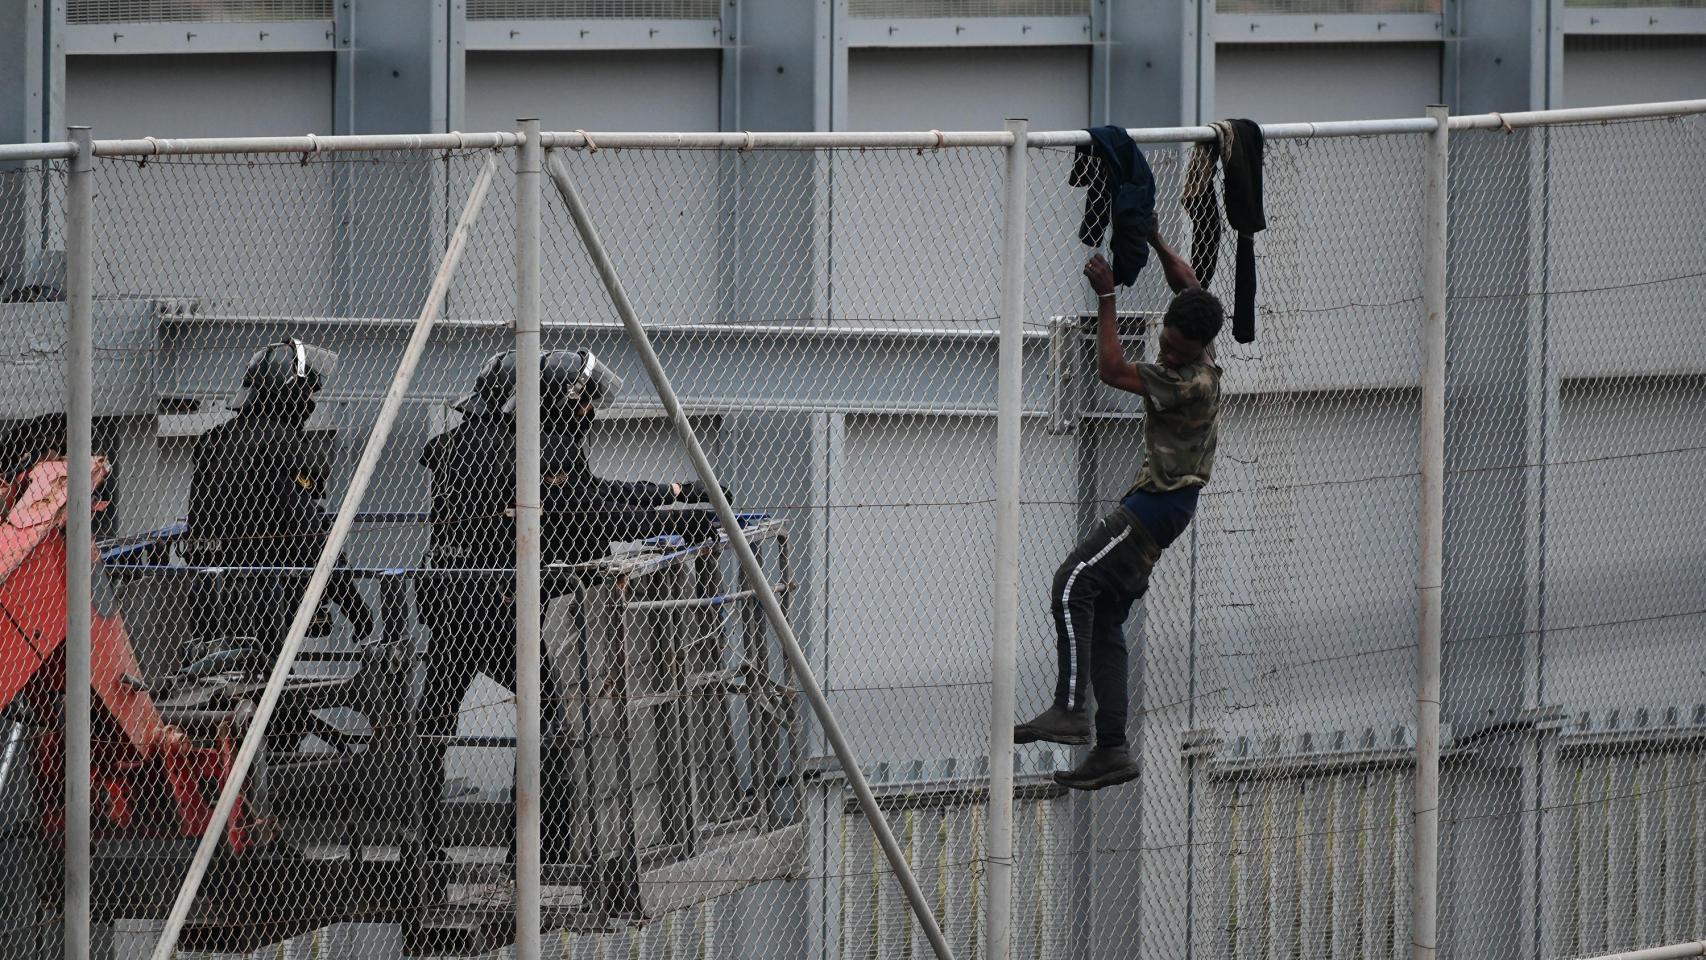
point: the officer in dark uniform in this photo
(584, 513)
(256, 500)
(466, 591)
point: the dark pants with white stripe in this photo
(1092, 595)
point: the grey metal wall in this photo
(1355, 81)
(200, 95)
(610, 90)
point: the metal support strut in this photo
(364, 470)
(642, 344)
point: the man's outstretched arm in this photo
(1111, 365)
(1175, 268)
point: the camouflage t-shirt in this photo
(1180, 427)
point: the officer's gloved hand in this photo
(692, 526)
(320, 626)
(692, 491)
(360, 620)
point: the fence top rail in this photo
(57, 150)
(311, 144)
(1542, 118)
(308, 144)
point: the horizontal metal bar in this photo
(1675, 951)
(1540, 118)
(914, 140)
(1282, 766)
(927, 140)
(715, 601)
(1271, 131)
(54, 150)
(307, 144)
(468, 740)
(1329, 28)
(965, 31)
(844, 327)
(608, 34)
(262, 36)
(933, 795)
(172, 571)
(1635, 21)
(1600, 743)
(197, 357)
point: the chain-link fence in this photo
(829, 314)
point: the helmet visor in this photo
(277, 368)
(601, 385)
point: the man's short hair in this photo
(1196, 313)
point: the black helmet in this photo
(284, 376)
(494, 388)
(568, 376)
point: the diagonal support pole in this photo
(341, 525)
(748, 561)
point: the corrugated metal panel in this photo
(1327, 6)
(1629, 809)
(592, 9)
(1310, 864)
(969, 8)
(143, 11)
(1635, 3)
(943, 837)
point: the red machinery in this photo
(148, 777)
(665, 807)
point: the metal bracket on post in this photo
(1430, 573)
(754, 573)
(341, 524)
(1072, 361)
(79, 535)
(1065, 378)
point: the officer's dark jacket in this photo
(473, 488)
(584, 512)
(255, 501)
(256, 490)
(473, 497)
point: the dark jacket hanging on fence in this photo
(1241, 155)
(1122, 189)
(1238, 147)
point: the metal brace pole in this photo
(527, 522)
(1675, 951)
(1003, 663)
(79, 534)
(341, 525)
(748, 561)
(1430, 575)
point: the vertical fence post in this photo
(1424, 865)
(1010, 369)
(79, 533)
(527, 522)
